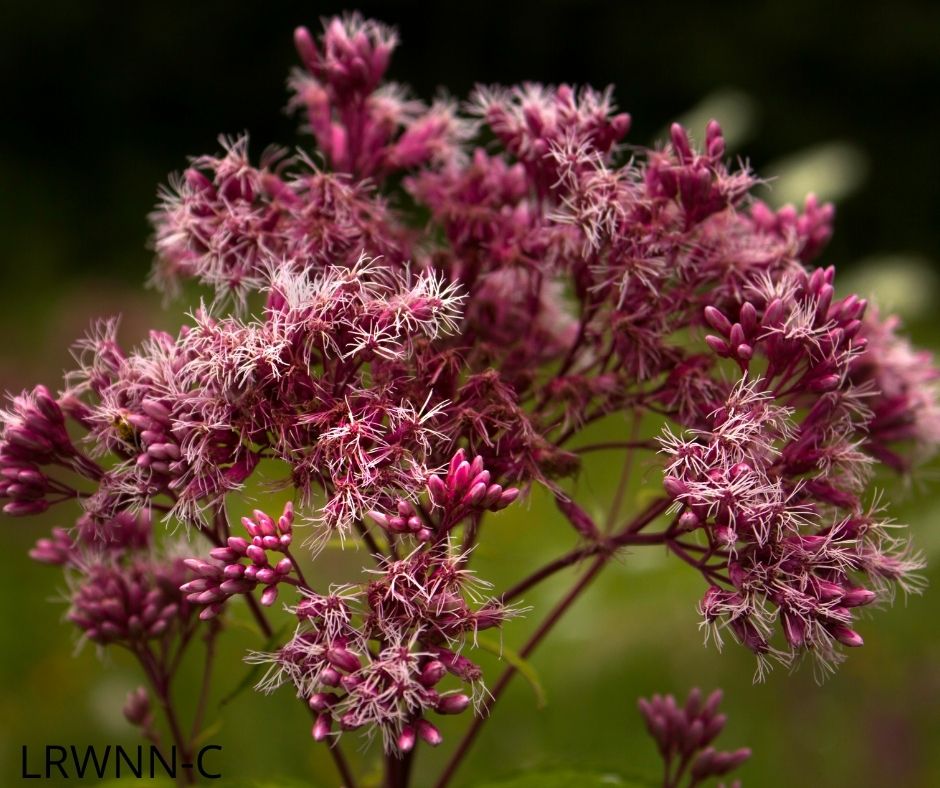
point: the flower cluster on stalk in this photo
(411, 328)
(684, 734)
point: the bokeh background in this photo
(101, 101)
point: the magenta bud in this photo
(680, 142)
(453, 704)
(265, 523)
(195, 586)
(714, 139)
(269, 596)
(718, 345)
(379, 518)
(224, 554)
(459, 456)
(234, 586)
(137, 707)
(25, 508)
(432, 673)
(330, 677)
(725, 535)
(203, 568)
(170, 451)
(476, 467)
(712, 703)
(321, 727)
(845, 635)
(693, 736)
(674, 486)
(257, 555)
(270, 542)
(704, 764)
(475, 495)
(283, 566)
(429, 733)
(493, 494)
(459, 478)
(156, 410)
(437, 490)
(207, 612)
(406, 739)
(482, 477)
(237, 545)
(321, 701)
(143, 423)
(343, 659)
(856, 597)
(717, 320)
(267, 575)
(507, 497)
(794, 628)
(827, 591)
(748, 318)
(825, 383)
(773, 313)
(286, 520)
(251, 526)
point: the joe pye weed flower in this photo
(416, 316)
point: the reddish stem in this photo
(507, 675)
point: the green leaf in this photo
(564, 778)
(524, 667)
(251, 675)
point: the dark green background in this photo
(101, 101)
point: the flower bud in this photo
(137, 707)
(321, 727)
(406, 739)
(453, 704)
(429, 733)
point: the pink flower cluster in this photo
(414, 329)
(226, 575)
(683, 735)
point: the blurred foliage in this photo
(102, 104)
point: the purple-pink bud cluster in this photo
(466, 487)
(685, 733)
(129, 603)
(242, 565)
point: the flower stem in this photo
(206, 682)
(342, 766)
(160, 682)
(530, 646)
(628, 535)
